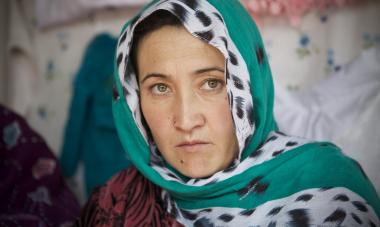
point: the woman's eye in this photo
(211, 84)
(160, 89)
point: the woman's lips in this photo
(192, 146)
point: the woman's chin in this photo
(199, 166)
(194, 171)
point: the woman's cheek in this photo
(156, 115)
(221, 113)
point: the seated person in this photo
(193, 106)
(32, 189)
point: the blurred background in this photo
(56, 61)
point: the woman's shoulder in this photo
(316, 182)
(127, 197)
(324, 165)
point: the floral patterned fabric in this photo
(32, 190)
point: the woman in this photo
(193, 105)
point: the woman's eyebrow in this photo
(150, 75)
(199, 71)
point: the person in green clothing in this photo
(193, 107)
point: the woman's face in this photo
(184, 101)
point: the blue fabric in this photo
(90, 134)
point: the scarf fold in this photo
(276, 178)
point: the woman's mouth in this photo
(192, 146)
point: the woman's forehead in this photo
(173, 38)
(161, 50)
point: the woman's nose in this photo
(188, 113)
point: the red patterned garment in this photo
(128, 199)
